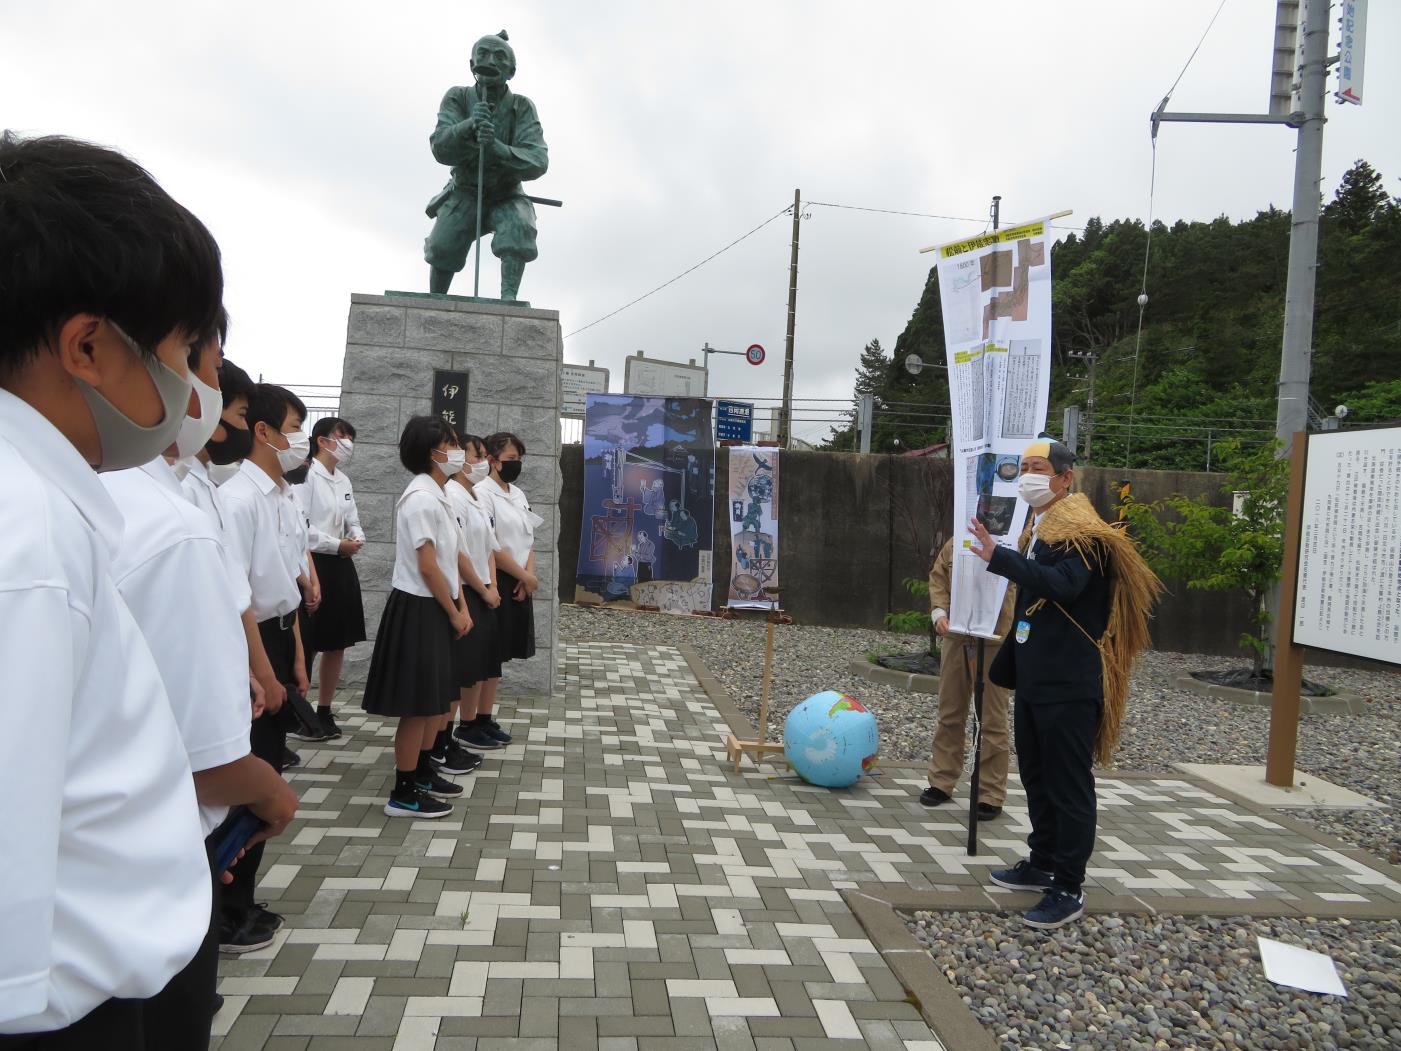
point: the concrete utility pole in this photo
(785, 414)
(1091, 358)
(1296, 357)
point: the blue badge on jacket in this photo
(1023, 630)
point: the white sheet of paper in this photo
(1299, 968)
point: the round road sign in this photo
(754, 355)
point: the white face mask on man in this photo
(292, 457)
(1035, 489)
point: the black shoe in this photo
(1056, 908)
(268, 919)
(493, 728)
(475, 735)
(986, 811)
(932, 796)
(1022, 876)
(459, 760)
(328, 725)
(433, 785)
(416, 805)
(218, 1003)
(290, 759)
(245, 933)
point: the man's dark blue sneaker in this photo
(415, 804)
(433, 785)
(475, 735)
(458, 760)
(1022, 876)
(1056, 909)
(493, 728)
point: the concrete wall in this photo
(512, 356)
(853, 527)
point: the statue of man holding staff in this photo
(492, 139)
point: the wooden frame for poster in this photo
(1349, 503)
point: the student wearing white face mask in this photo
(335, 537)
(411, 670)
(478, 653)
(265, 529)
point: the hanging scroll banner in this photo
(996, 296)
(753, 512)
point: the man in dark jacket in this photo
(1052, 659)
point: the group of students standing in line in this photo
(164, 590)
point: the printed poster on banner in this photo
(753, 526)
(646, 535)
(996, 295)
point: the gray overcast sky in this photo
(298, 132)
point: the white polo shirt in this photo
(201, 491)
(515, 521)
(328, 502)
(478, 532)
(104, 883)
(424, 513)
(173, 573)
(263, 528)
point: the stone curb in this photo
(1336, 704)
(903, 680)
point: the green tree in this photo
(1360, 200)
(1378, 403)
(1217, 548)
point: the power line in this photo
(919, 215)
(782, 211)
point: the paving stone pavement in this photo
(608, 882)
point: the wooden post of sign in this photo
(735, 749)
(1289, 658)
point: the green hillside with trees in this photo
(1208, 363)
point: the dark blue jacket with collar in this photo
(1045, 657)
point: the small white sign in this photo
(1299, 968)
(576, 382)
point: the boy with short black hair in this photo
(105, 284)
(264, 531)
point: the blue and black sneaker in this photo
(433, 785)
(415, 804)
(476, 735)
(1022, 876)
(1056, 909)
(493, 729)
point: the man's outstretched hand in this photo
(985, 545)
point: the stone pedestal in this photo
(512, 355)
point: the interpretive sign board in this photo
(665, 379)
(576, 383)
(734, 421)
(1348, 592)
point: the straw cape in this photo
(1134, 589)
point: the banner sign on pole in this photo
(1351, 50)
(734, 421)
(753, 526)
(996, 297)
(1348, 596)
(649, 504)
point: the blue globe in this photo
(830, 739)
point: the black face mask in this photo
(236, 446)
(510, 470)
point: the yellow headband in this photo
(1041, 449)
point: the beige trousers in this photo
(958, 657)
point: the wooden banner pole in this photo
(1289, 658)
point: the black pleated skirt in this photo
(517, 621)
(339, 622)
(477, 655)
(411, 669)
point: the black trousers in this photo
(268, 740)
(179, 1016)
(1055, 758)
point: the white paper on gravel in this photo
(1298, 968)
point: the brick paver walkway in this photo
(609, 882)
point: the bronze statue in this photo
(492, 138)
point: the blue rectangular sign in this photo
(734, 421)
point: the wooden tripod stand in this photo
(735, 749)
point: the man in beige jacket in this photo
(958, 656)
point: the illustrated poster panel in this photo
(647, 534)
(1348, 596)
(996, 297)
(753, 514)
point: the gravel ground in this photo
(1165, 725)
(1135, 983)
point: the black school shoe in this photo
(290, 759)
(328, 725)
(433, 785)
(986, 811)
(1056, 908)
(475, 735)
(493, 729)
(415, 804)
(932, 796)
(248, 932)
(1022, 876)
(457, 760)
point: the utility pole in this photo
(1296, 357)
(1091, 359)
(996, 210)
(785, 415)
